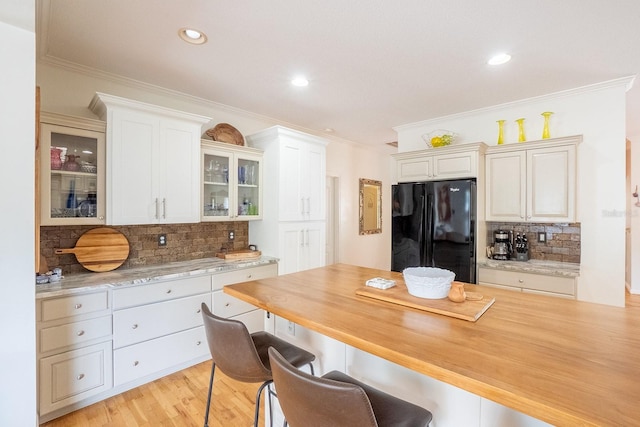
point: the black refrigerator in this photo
(433, 225)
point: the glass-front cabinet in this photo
(72, 175)
(231, 182)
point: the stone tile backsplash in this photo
(184, 242)
(562, 240)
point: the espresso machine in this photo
(502, 244)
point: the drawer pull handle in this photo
(135, 326)
(79, 377)
(520, 281)
(80, 333)
(77, 306)
(136, 363)
(168, 291)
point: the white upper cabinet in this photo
(153, 162)
(532, 181)
(297, 164)
(231, 182)
(450, 162)
(72, 170)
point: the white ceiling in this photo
(372, 64)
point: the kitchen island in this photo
(565, 362)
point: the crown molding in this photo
(627, 82)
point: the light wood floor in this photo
(175, 400)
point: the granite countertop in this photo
(135, 276)
(552, 268)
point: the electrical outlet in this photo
(162, 240)
(232, 235)
(291, 328)
(542, 237)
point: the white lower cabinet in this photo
(136, 361)
(224, 305)
(133, 325)
(69, 377)
(528, 282)
(162, 329)
(74, 349)
(94, 345)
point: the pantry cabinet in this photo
(231, 182)
(153, 162)
(297, 163)
(293, 225)
(533, 181)
(301, 246)
(450, 162)
(72, 175)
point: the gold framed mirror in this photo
(370, 206)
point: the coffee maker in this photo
(502, 244)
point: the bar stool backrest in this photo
(232, 349)
(309, 401)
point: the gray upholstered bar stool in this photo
(336, 399)
(245, 357)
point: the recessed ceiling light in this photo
(499, 59)
(300, 81)
(192, 36)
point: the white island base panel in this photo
(450, 406)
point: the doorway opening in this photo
(333, 216)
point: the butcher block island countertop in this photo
(565, 362)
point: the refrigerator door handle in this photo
(428, 239)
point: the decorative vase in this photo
(545, 128)
(521, 137)
(56, 161)
(500, 132)
(71, 164)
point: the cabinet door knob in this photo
(79, 377)
(77, 306)
(135, 326)
(520, 281)
(227, 304)
(80, 333)
(168, 291)
(136, 363)
(198, 311)
(249, 276)
(199, 342)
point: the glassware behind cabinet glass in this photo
(73, 182)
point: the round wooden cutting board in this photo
(100, 249)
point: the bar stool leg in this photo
(206, 413)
